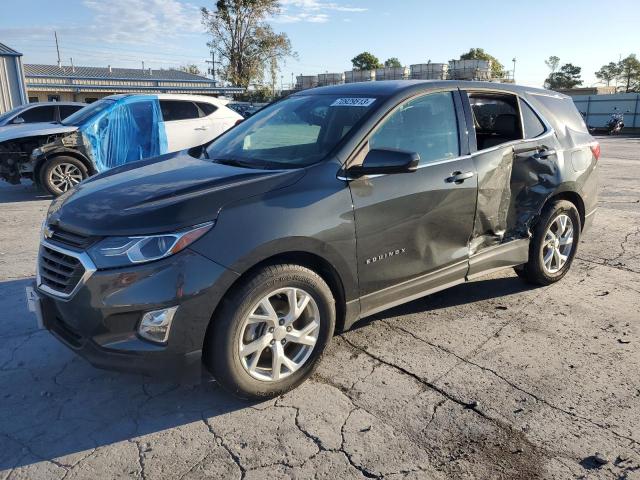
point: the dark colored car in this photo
(247, 254)
(40, 112)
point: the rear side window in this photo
(39, 114)
(66, 110)
(426, 125)
(206, 109)
(173, 110)
(496, 118)
(533, 126)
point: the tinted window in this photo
(533, 126)
(496, 118)
(297, 131)
(426, 125)
(173, 110)
(39, 114)
(66, 110)
(206, 109)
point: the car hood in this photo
(160, 195)
(11, 132)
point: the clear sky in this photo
(327, 34)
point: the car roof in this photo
(175, 96)
(392, 87)
(42, 104)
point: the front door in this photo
(413, 229)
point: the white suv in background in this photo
(113, 131)
(191, 120)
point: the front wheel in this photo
(62, 173)
(553, 245)
(271, 331)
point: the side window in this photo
(206, 109)
(173, 110)
(66, 110)
(39, 114)
(426, 125)
(533, 126)
(496, 118)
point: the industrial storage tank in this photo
(470, 69)
(306, 81)
(352, 76)
(325, 79)
(392, 73)
(429, 71)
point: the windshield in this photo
(11, 112)
(295, 132)
(82, 115)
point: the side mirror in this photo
(386, 161)
(17, 120)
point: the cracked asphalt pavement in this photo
(493, 379)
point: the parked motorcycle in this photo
(615, 123)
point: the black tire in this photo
(50, 165)
(534, 271)
(221, 349)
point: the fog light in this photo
(155, 325)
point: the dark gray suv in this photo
(247, 254)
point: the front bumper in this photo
(99, 321)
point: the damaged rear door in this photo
(516, 160)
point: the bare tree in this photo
(245, 44)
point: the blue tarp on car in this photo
(129, 129)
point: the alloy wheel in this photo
(279, 334)
(557, 244)
(64, 176)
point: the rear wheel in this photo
(62, 173)
(553, 245)
(271, 332)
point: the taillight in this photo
(595, 149)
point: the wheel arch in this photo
(63, 153)
(570, 196)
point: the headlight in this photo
(123, 251)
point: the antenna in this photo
(55, 34)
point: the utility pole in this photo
(55, 34)
(514, 69)
(213, 65)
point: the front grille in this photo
(58, 271)
(72, 239)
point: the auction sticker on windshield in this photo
(353, 102)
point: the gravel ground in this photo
(493, 379)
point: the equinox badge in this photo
(392, 253)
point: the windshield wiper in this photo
(236, 163)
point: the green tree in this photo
(365, 61)
(609, 72)
(630, 73)
(245, 43)
(191, 68)
(497, 69)
(567, 77)
(392, 62)
(552, 62)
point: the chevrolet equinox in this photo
(246, 254)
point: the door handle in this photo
(204, 127)
(545, 153)
(459, 177)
